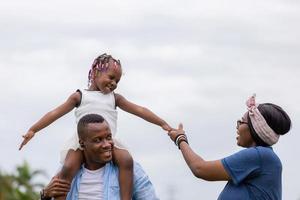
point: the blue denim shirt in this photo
(142, 186)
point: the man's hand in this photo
(26, 139)
(175, 132)
(57, 188)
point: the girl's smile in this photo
(107, 81)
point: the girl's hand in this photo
(166, 127)
(26, 137)
(175, 132)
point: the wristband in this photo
(182, 140)
(42, 194)
(177, 137)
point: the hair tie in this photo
(251, 104)
(260, 126)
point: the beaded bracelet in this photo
(176, 138)
(182, 140)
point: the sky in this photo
(192, 61)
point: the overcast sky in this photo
(192, 61)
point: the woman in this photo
(252, 173)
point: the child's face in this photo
(107, 81)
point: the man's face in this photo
(98, 145)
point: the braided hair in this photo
(101, 63)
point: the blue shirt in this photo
(255, 174)
(142, 186)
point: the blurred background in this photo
(192, 61)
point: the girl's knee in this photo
(124, 160)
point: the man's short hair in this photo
(85, 120)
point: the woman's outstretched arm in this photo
(207, 170)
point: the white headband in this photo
(263, 130)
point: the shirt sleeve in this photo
(143, 188)
(242, 165)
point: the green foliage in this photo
(20, 185)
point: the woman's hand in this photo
(175, 132)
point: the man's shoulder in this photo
(143, 188)
(113, 168)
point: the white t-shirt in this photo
(91, 185)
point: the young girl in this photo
(99, 98)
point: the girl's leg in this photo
(124, 161)
(72, 164)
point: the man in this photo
(98, 177)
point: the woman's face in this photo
(244, 138)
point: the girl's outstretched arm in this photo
(207, 170)
(51, 116)
(141, 112)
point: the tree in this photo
(6, 189)
(20, 185)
